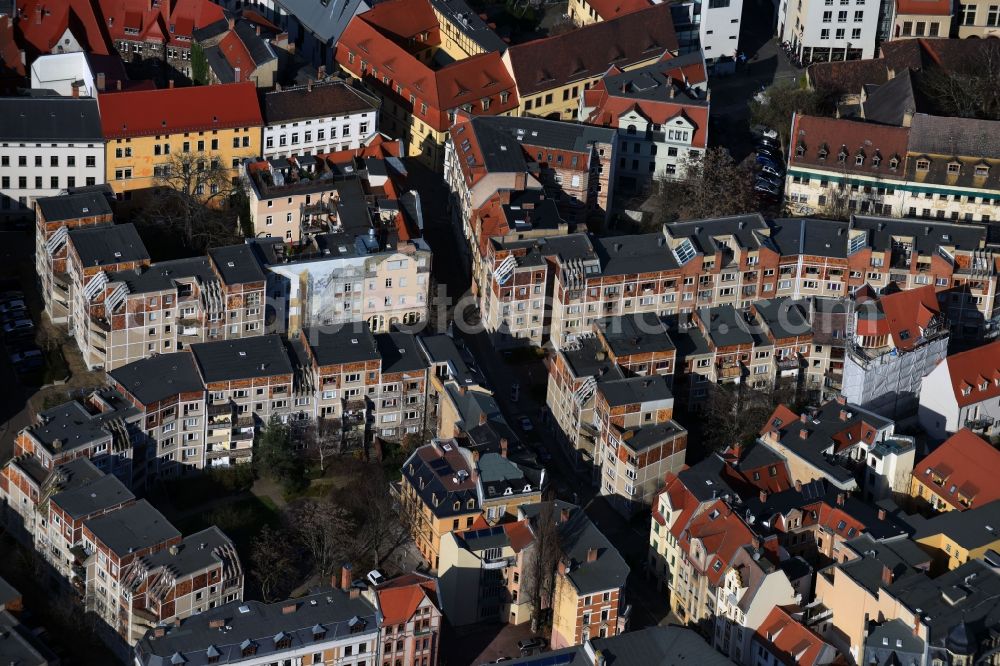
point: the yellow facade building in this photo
(150, 131)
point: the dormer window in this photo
(859, 159)
(457, 506)
(893, 162)
(823, 152)
(486, 103)
(923, 165)
(983, 385)
(800, 149)
(471, 504)
(954, 168)
(966, 390)
(876, 160)
(842, 155)
(982, 171)
(504, 96)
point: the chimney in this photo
(763, 495)
(755, 542)
(886, 575)
(101, 81)
(236, 74)
(217, 623)
(119, 84)
(309, 85)
(321, 72)
(803, 418)
(345, 577)
(170, 83)
(843, 415)
(881, 514)
(354, 593)
(599, 659)
(76, 88)
(798, 485)
(277, 87)
(803, 434)
(159, 632)
(482, 418)
(231, 22)
(562, 567)
(258, 31)
(916, 625)
(288, 610)
(503, 447)
(841, 498)
(38, 14)
(475, 457)
(841, 400)
(591, 554)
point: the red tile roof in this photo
(43, 22)
(12, 70)
(236, 54)
(589, 51)
(781, 417)
(171, 110)
(370, 38)
(405, 19)
(722, 533)
(609, 9)
(788, 640)
(924, 7)
(908, 313)
(968, 467)
(812, 134)
(172, 22)
(401, 596)
(969, 370)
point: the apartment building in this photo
(481, 572)
(823, 32)
(588, 596)
(54, 217)
(572, 163)
(922, 18)
(150, 132)
(907, 170)
(638, 441)
(47, 144)
(338, 625)
(977, 18)
(898, 339)
(551, 73)
(955, 537)
(409, 608)
(125, 308)
(963, 391)
(661, 114)
(425, 68)
(957, 475)
(325, 117)
(585, 12)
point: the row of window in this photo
(307, 135)
(840, 33)
(859, 16)
(54, 182)
(968, 14)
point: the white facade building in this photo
(318, 118)
(963, 392)
(822, 30)
(60, 72)
(47, 144)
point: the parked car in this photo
(515, 392)
(11, 295)
(769, 179)
(18, 327)
(12, 305)
(376, 577)
(763, 187)
(767, 161)
(769, 141)
(27, 354)
(528, 644)
(777, 173)
(526, 424)
(771, 152)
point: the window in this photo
(824, 34)
(922, 165)
(840, 33)
(968, 14)
(827, 17)
(842, 17)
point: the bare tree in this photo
(272, 561)
(969, 90)
(324, 531)
(713, 185)
(382, 529)
(192, 192)
(321, 440)
(733, 414)
(539, 572)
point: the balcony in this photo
(983, 423)
(731, 371)
(789, 366)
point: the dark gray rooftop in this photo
(970, 529)
(61, 119)
(163, 275)
(246, 358)
(815, 237)
(649, 436)
(352, 342)
(132, 528)
(8, 593)
(889, 102)
(260, 51)
(20, 646)
(654, 646)
(927, 235)
(635, 390)
(442, 349)
(84, 495)
(332, 613)
(637, 253)
(577, 535)
(195, 552)
(329, 98)
(784, 317)
(108, 244)
(502, 139)
(399, 352)
(470, 24)
(635, 334)
(725, 326)
(903, 557)
(236, 264)
(588, 359)
(963, 137)
(74, 206)
(156, 378)
(746, 229)
(650, 82)
(325, 20)
(74, 426)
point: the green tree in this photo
(199, 65)
(775, 106)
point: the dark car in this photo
(771, 152)
(766, 188)
(769, 179)
(767, 161)
(528, 644)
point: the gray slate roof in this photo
(73, 426)
(73, 206)
(970, 529)
(156, 378)
(195, 552)
(635, 334)
(654, 646)
(887, 103)
(85, 495)
(132, 528)
(331, 612)
(108, 244)
(968, 137)
(325, 20)
(246, 358)
(19, 646)
(60, 119)
(236, 264)
(635, 390)
(399, 352)
(352, 342)
(162, 275)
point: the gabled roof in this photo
(924, 7)
(50, 119)
(552, 62)
(968, 467)
(41, 31)
(788, 640)
(325, 20)
(875, 144)
(970, 370)
(721, 533)
(903, 316)
(400, 597)
(609, 9)
(173, 110)
(172, 22)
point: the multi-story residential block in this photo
(585, 12)
(898, 339)
(123, 308)
(958, 475)
(572, 163)
(782, 637)
(977, 19)
(840, 164)
(47, 144)
(316, 118)
(149, 132)
(481, 572)
(54, 218)
(921, 18)
(821, 32)
(828, 442)
(236, 51)
(661, 114)
(420, 90)
(963, 391)
(955, 537)
(330, 626)
(409, 608)
(551, 73)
